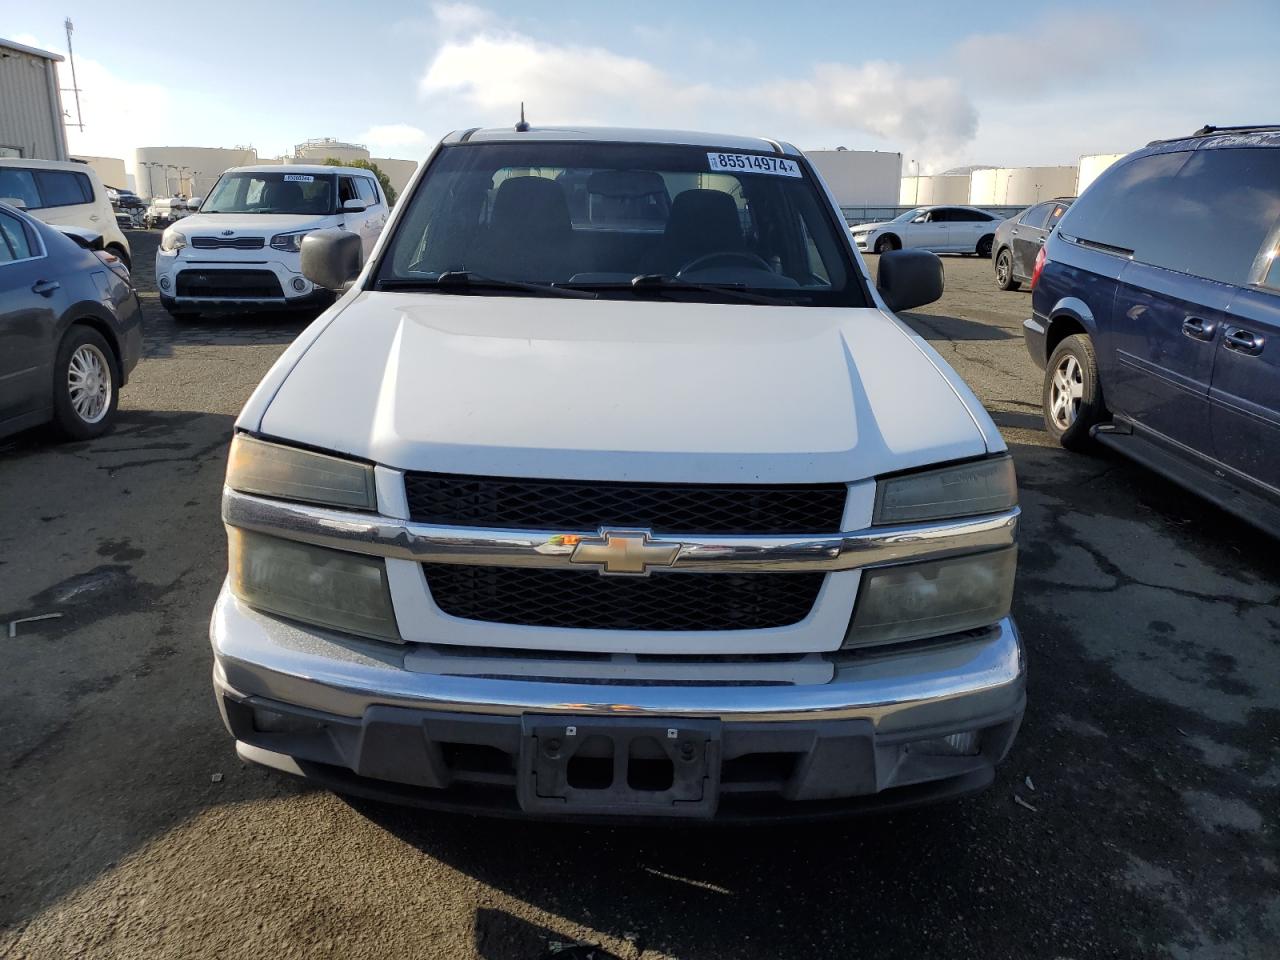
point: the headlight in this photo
(288, 242)
(969, 489)
(330, 588)
(289, 473)
(171, 240)
(932, 599)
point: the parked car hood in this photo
(255, 224)
(604, 389)
(867, 227)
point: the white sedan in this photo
(938, 229)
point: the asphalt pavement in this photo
(1137, 816)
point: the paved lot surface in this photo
(1152, 738)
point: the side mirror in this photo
(89, 239)
(354, 206)
(331, 258)
(908, 278)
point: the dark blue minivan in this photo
(1157, 316)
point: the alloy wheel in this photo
(89, 383)
(1066, 392)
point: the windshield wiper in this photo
(465, 279)
(663, 283)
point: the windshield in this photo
(272, 193)
(599, 216)
(910, 215)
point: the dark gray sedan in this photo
(70, 328)
(1020, 238)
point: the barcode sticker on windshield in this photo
(754, 163)
(299, 178)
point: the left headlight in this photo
(290, 473)
(963, 490)
(172, 240)
(330, 588)
(288, 242)
(932, 599)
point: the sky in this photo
(945, 84)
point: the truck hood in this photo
(620, 390)
(253, 224)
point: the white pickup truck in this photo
(611, 486)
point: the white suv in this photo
(65, 194)
(613, 486)
(240, 251)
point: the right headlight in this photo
(291, 473)
(330, 588)
(172, 240)
(932, 599)
(963, 490)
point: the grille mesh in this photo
(663, 601)
(526, 504)
(247, 284)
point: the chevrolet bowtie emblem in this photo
(630, 552)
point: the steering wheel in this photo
(724, 258)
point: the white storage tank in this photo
(1020, 186)
(860, 178)
(1091, 166)
(189, 171)
(935, 188)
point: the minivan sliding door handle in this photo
(1198, 329)
(1242, 341)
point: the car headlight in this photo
(967, 489)
(288, 242)
(172, 241)
(290, 473)
(932, 599)
(330, 588)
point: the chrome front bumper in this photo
(950, 683)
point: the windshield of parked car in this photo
(622, 220)
(272, 193)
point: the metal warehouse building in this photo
(30, 104)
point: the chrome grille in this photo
(228, 243)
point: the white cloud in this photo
(491, 71)
(385, 139)
(494, 72)
(880, 98)
(461, 18)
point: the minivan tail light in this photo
(1039, 268)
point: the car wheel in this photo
(1004, 271)
(1072, 396)
(885, 244)
(86, 386)
(984, 247)
(118, 251)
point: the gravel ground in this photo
(1149, 761)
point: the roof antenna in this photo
(523, 125)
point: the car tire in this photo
(885, 244)
(1072, 396)
(118, 251)
(984, 247)
(86, 385)
(1004, 270)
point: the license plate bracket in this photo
(619, 766)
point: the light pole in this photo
(151, 187)
(916, 199)
(167, 168)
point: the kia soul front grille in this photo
(227, 243)
(585, 599)
(569, 505)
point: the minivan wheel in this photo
(984, 247)
(1004, 271)
(885, 244)
(1072, 396)
(86, 387)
